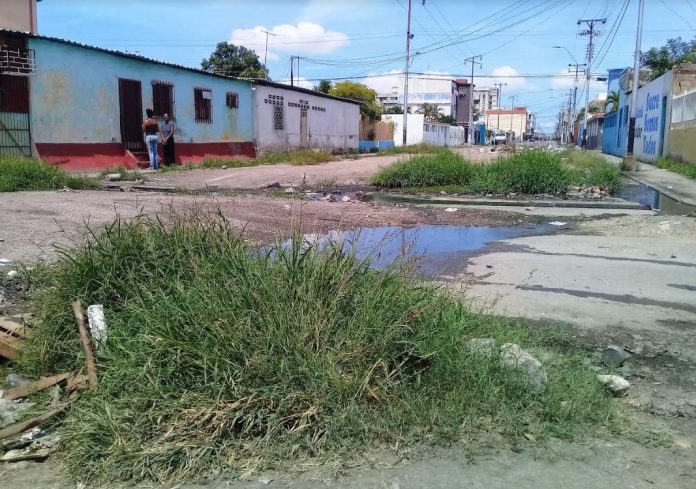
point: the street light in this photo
(566, 50)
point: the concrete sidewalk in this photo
(673, 185)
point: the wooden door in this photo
(130, 96)
(304, 133)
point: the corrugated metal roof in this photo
(138, 57)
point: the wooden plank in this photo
(9, 346)
(14, 328)
(25, 454)
(17, 428)
(86, 344)
(43, 383)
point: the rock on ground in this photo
(618, 386)
(514, 356)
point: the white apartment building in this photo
(431, 89)
(486, 99)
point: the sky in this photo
(366, 38)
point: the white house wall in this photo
(415, 128)
(652, 119)
(333, 125)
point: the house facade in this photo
(290, 117)
(82, 107)
(509, 120)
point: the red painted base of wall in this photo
(91, 157)
(99, 156)
(195, 152)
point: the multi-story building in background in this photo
(422, 89)
(485, 99)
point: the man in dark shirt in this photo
(168, 128)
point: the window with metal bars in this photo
(14, 94)
(202, 98)
(232, 100)
(163, 98)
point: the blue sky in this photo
(366, 37)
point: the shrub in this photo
(443, 168)
(421, 148)
(672, 164)
(592, 169)
(218, 354)
(17, 174)
(297, 157)
(528, 172)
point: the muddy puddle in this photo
(431, 250)
(647, 196)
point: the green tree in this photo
(237, 61)
(369, 107)
(447, 119)
(612, 99)
(431, 111)
(324, 86)
(397, 109)
(662, 59)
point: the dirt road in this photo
(342, 172)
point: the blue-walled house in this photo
(82, 107)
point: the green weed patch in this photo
(18, 174)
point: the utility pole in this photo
(292, 78)
(499, 87)
(265, 54)
(409, 36)
(576, 69)
(629, 162)
(513, 99)
(591, 32)
(470, 132)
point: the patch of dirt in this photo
(33, 234)
(642, 226)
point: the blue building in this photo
(82, 107)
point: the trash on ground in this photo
(5, 262)
(451, 209)
(618, 386)
(558, 223)
(16, 380)
(113, 177)
(11, 411)
(614, 356)
(30, 387)
(97, 323)
(265, 480)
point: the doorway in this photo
(304, 133)
(130, 97)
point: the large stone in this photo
(512, 355)
(113, 177)
(618, 386)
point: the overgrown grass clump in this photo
(593, 169)
(297, 157)
(421, 148)
(671, 164)
(222, 357)
(443, 168)
(527, 172)
(19, 174)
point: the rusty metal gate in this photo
(131, 104)
(15, 129)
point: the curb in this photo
(665, 192)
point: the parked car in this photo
(498, 137)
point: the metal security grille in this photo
(15, 133)
(131, 106)
(202, 98)
(278, 118)
(684, 107)
(163, 98)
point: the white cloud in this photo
(502, 74)
(302, 38)
(299, 82)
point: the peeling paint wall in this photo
(75, 98)
(331, 124)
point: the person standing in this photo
(152, 132)
(168, 129)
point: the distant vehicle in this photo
(498, 136)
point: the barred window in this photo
(232, 100)
(163, 98)
(278, 118)
(202, 98)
